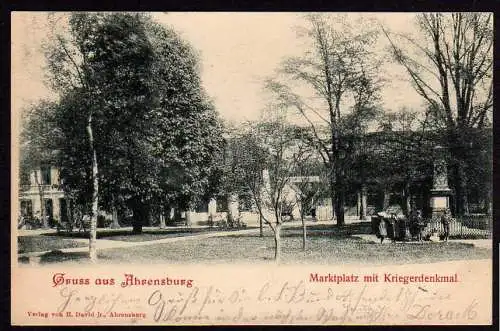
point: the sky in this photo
(237, 52)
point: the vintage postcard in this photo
(237, 168)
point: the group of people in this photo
(385, 222)
(401, 228)
(34, 221)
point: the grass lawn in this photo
(324, 246)
(29, 244)
(321, 250)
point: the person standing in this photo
(396, 227)
(445, 220)
(419, 222)
(382, 229)
(21, 221)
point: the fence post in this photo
(461, 229)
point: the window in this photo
(25, 178)
(46, 180)
(27, 208)
(49, 208)
(63, 209)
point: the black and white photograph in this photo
(352, 152)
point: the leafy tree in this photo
(185, 128)
(102, 56)
(264, 158)
(244, 160)
(37, 137)
(134, 85)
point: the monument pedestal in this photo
(440, 201)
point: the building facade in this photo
(40, 191)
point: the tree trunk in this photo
(340, 203)
(304, 230)
(261, 230)
(114, 215)
(115, 224)
(339, 210)
(407, 199)
(488, 205)
(358, 204)
(277, 243)
(140, 215)
(462, 206)
(232, 209)
(462, 182)
(189, 218)
(95, 192)
(362, 207)
(151, 218)
(339, 193)
(408, 204)
(162, 217)
(137, 227)
(332, 196)
(387, 197)
(138, 220)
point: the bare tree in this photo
(265, 156)
(339, 68)
(307, 188)
(450, 66)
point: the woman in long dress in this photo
(382, 229)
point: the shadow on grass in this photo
(320, 230)
(471, 236)
(128, 235)
(28, 244)
(126, 232)
(57, 256)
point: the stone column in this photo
(56, 208)
(212, 211)
(364, 205)
(37, 208)
(190, 217)
(232, 208)
(440, 192)
(212, 207)
(115, 224)
(162, 221)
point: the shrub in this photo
(103, 222)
